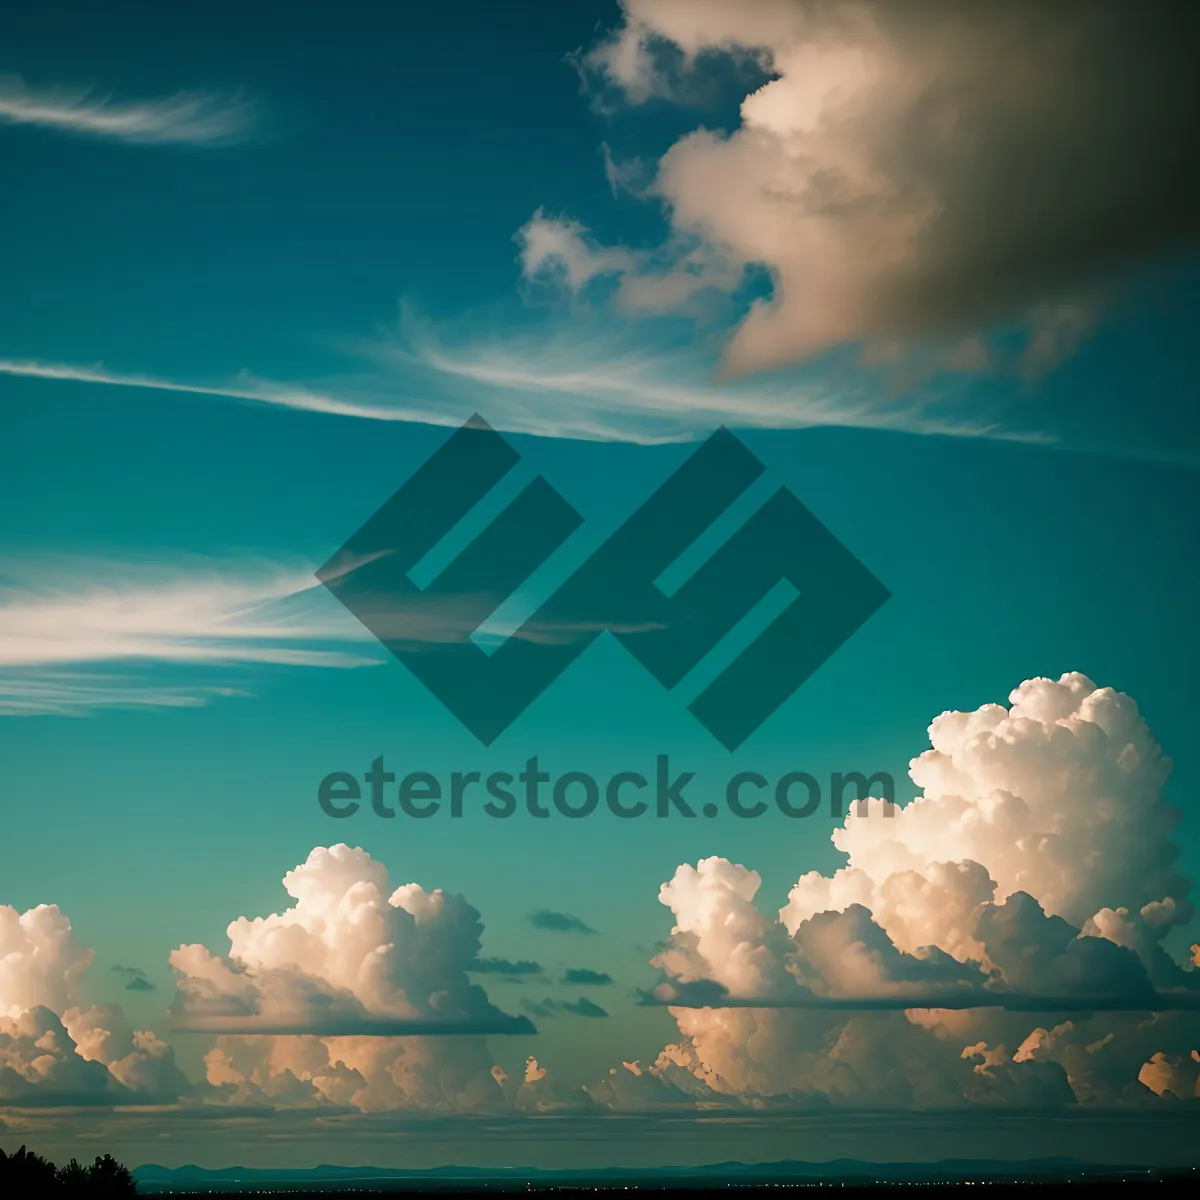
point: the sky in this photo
(934, 267)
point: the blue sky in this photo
(253, 280)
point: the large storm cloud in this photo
(905, 169)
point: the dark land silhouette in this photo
(27, 1174)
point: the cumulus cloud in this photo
(1033, 875)
(914, 169)
(1058, 795)
(41, 960)
(53, 1050)
(136, 1058)
(189, 118)
(306, 994)
(39, 1064)
(999, 940)
(542, 1092)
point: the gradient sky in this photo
(334, 218)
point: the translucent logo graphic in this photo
(617, 589)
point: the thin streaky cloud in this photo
(83, 610)
(66, 626)
(641, 393)
(243, 387)
(353, 1025)
(41, 692)
(603, 395)
(193, 118)
(950, 1000)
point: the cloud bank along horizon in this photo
(1036, 861)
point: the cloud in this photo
(135, 979)
(39, 1065)
(583, 1007)
(357, 994)
(999, 941)
(244, 387)
(628, 175)
(586, 977)
(556, 922)
(504, 966)
(596, 377)
(586, 378)
(352, 1024)
(563, 248)
(137, 1059)
(53, 1051)
(1058, 795)
(42, 691)
(185, 118)
(925, 169)
(41, 960)
(1033, 877)
(60, 614)
(540, 1092)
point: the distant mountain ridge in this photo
(153, 1179)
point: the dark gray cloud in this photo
(556, 922)
(135, 979)
(1072, 154)
(926, 167)
(1047, 966)
(583, 1007)
(585, 977)
(504, 967)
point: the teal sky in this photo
(345, 232)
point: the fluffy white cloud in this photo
(1037, 862)
(136, 1058)
(351, 959)
(41, 960)
(1057, 796)
(51, 1048)
(1034, 872)
(39, 1064)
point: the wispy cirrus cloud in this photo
(81, 610)
(243, 386)
(587, 380)
(65, 623)
(75, 631)
(188, 118)
(42, 691)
